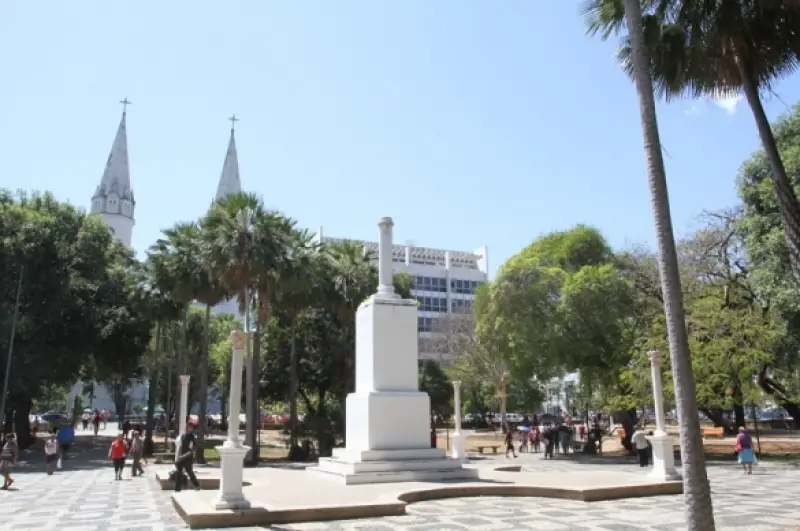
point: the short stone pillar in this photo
(458, 450)
(183, 409)
(232, 452)
(663, 444)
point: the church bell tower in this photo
(113, 198)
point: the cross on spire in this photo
(233, 120)
(125, 104)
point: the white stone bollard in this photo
(232, 452)
(183, 410)
(663, 444)
(458, 451)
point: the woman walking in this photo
(8, 458)
(50, 454)
(744, 448)
(117, 454)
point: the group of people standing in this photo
(552, 437)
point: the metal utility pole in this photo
(11, 344)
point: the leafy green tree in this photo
(626, 15)
(77, 304)
(434, 381)
(712, 49)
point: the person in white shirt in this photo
(50, 454)
(639, 441)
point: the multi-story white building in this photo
(559, 395)
(444, 283)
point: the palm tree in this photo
(722, 49)
(210, 292)
(175, 260)
(246, 245)
(164, 310)
(699, 510)
(297, 290)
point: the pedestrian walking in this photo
(639, 441)
(510, 442)
(184, 461)
(117, 454)
(744, 450)
(8, 458)
(137, 447)
(50, 454)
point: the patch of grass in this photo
(268, 453)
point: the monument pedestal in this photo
(458, 446)
(388, 418)
(231, 470)
(663, 458)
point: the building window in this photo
(464, 287)
(432, 304)
(436, 284)
(424, 324)
(460, 305)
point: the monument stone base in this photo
(392, 466)
(663, 458)
(231, 471)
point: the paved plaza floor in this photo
(84, 496)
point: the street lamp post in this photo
(11, 344)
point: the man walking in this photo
(137, 448)
(184, 461)
(639, 440)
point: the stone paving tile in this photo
(84, 496)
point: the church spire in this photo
(116, 176)
(114, 195)
(229, 181)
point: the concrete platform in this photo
(207, 477)
(291, 495)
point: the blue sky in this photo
(469, 122)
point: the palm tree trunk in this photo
(256, 413)
(201, 414)
(249, 434)
(293, 387)
(697, 493)
(784, 191)
(151, 396)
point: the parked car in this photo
(51, 420)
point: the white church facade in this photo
(114, 201)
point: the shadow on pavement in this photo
(87, 453)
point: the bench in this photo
(713, 432)
(492, 446)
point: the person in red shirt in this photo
(116, 453)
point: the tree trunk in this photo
(255, 414)
(627, 418)
(738, 415)
(201, 414)
(152, 390)
(293, 446)
(716, 417)
(697, 492)
(249, 438)
(22, 411)
(784, 191)
(779, 395)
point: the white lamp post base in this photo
(458, 449)
(663, 458)
(231, 471)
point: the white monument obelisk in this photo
(663, 444)
(458, 451)
(232, 452)
(388, 418)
